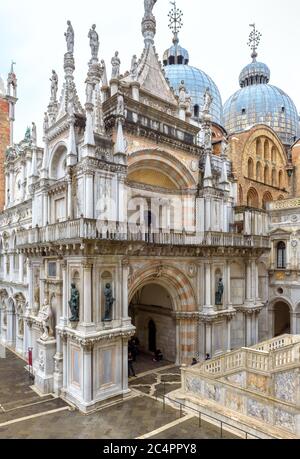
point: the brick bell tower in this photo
(8, 100)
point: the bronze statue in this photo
(74, 304)
(219, 293)
(109, 301)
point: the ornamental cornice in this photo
(90, 341)
(94, 164)
(57, 129)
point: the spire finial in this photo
(254, 40)
(175, 20)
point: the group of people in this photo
(195, 361)
(133, 352)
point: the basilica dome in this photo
(258, 102)
(177, 69)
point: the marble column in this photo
(178, 342)
(229, 347)
(70, 200)
(126, 320)
(45, 208)
(65, 306)
(30, 286)
(87, 294)
(208, 288)
(58, 363)
(21, 268)
(65, 362)
(249, 298)
(89, 196)
(88, 375)
(208, 338)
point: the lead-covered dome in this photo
(177, 69)
(258, 102)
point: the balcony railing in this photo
(100, 230)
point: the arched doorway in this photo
(151, 311)
(282, 319)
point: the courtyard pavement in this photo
(26, 415)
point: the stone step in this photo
(16, 404)
(32, 409)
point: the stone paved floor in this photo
(132, 418)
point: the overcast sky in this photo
(215, 32)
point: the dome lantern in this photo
(258, 102)
(177, 69)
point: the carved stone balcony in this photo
(84, 229)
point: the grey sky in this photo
(215, 33)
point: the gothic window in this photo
(274, 177)
(266, 175)
(250, 168)
(259, 172)
(259, 147)
(266, 199)
(280, 179)
(281, 255)
(196, 111)
(252, 198)
(266, 150)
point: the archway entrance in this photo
(282, 319)
(151, 312)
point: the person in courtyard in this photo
(158, 356)
(194, 362)
(133, 347)
(130, 365)
(207, 357)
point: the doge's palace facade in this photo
(125, 222)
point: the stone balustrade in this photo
(101, 230)
(261, 385)
(269, 356)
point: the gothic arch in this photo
(172, 279)
(252, 198)
(57, 161)
(164, 163)
(267, 197)
(182, 299)
(250, 168)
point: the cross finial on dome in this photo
(175, 20)
(254, 40)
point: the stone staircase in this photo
(258, 387)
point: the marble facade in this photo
(124, 193)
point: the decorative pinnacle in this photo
(254, 40)
(175, 20)
(12, 70)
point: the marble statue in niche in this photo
(45, 315)
(74, 304)
(219, 293)
(109, 301)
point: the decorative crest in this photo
(175, 20)
(254, 40)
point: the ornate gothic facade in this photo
(140, 214)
